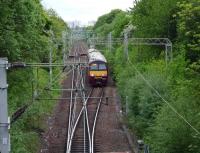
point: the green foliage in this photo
(22, 25)
(107, 18)
(27, 130)
(114, 22)
(153, 18)
(152, 118)
(57, 25)
(24, 142)
(188, 27)
(25, 35)
(19, 80)
(120, 21)
(142, 100)
(168, 125)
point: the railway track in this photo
(94, 115)
(83, 134)
(82, 118)
(77, 87)
(81, 122)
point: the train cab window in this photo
(94, 67)
(102, 67)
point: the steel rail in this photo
(77, 85)
(73, 131)
(81, 113)
(75, 98)
(87, 120)
(88, 125)
(95, 120)
(70, 110)
(71, 106)
(84, 107)
(86, 113)
(83, 96)
(76, 123)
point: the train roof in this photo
(92, 50)
(95, 55)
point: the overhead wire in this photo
(24, 108)
(163, 99)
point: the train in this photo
(98, 68)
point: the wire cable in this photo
(156, 91)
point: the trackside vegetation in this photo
(149, 117)
(26, 30)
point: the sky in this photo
(85, 10)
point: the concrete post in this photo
(4, 120)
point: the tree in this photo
(188, 28)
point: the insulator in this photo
(18, 65)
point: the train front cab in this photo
(98, 73)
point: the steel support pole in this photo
(50, 66)
(168, 50)
(110, 42)
(68, 48)
(127, 106)
(4, 120)
(93, 43)
(126, 45)
(71, 40)
(37, 83)
(171, 52)
(64, 46)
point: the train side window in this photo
(93, 67)
(102, 67)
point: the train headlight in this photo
(92, 75)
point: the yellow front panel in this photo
(98, 73)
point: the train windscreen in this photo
(102, 67)
(93, 67)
